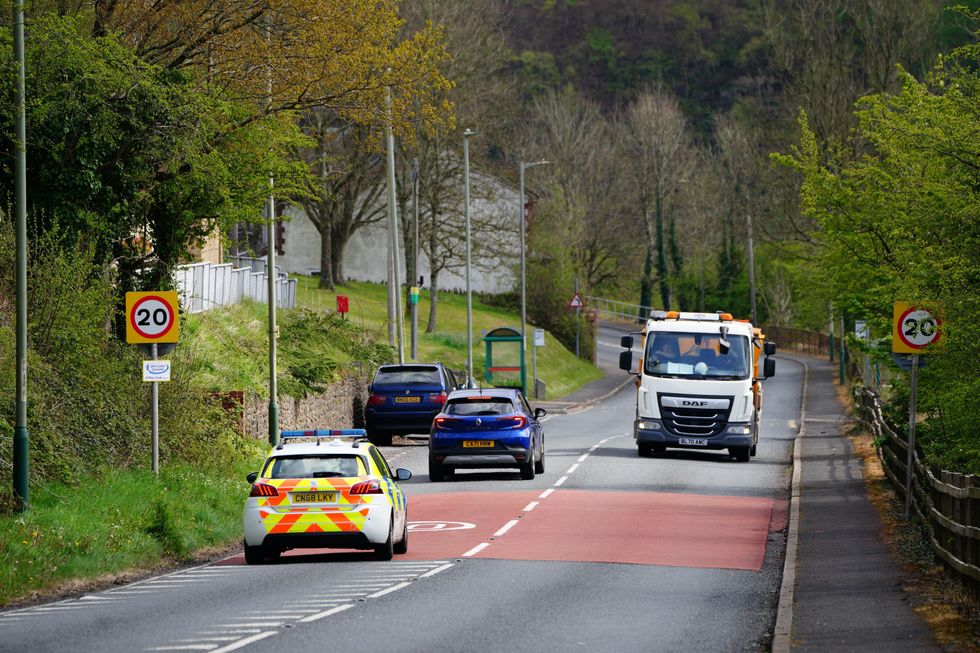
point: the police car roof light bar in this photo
(321, 433)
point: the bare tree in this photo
(662, 158)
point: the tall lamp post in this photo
(469, 292)
(21, 439)
(522, 223)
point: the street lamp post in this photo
(394, 298)
(21, 438)
(522, 223)
(469, 294)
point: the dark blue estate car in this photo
(486, 428)
(405, 398)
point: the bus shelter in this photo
(504, 348)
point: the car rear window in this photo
(479, 406)
(326, 466)
(408, 375)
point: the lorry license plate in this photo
(693, 442)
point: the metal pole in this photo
(755, 321)
(273, 328)
(522, 227)
(910, 456)
(394, 299)
(155, 416)
(21, 438)
(830, 343)
(842, 357)
(534, 368)
(415, 258)
(469, 294)
(577, 320)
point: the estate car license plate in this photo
(408, 400)
(696, 442)
(477, 443)
(314, 497)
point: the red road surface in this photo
(648, 528)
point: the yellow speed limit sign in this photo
(913, 328)
(151, 317)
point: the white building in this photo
(495, 240)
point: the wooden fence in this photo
(789, 339)
(948, 504)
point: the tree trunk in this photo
(662, 256)
(326, 260)
(338, 240)
(433, 299)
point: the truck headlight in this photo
(648, 425)
(740, 429)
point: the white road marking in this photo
(544, 495)
(561, 480)
(479, 547)
(389, 590)
(572, 468)
(435, 571)
(506, 527)
(531, 506)
(54, 608)
(594, 447)
(254, 624)
(210, 639)
(185, 647)
(243, 631)
(582, 458)
(245, 642)
(326, 613)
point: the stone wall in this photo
(340, 406)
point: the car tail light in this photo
(438, 399)
(263, 490)
(366, 487)
(376, 400)
(513, 422)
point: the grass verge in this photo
(124, 521)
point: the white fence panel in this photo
(203, 286)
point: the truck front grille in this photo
(692, 422)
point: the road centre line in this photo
(506, 527)
(389, 590)
(435, 571)
(572, 468)
(245, 642)
(254, 624)
(185, 647)
(479, 547)
(531, 506)
(209, 639)
(243, 631)
(582, 458)
(560, 481)
(326, 613)
(546, 493)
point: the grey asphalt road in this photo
(469, 601)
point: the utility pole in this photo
(21, 437)
(270, 271)
(522, 225)
(394, 299)
(469, 293)
(415, 258)
(755, 320)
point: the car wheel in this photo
(379, 439)
(527, 469)
(741, 454)
(539, 466)
(436, 472)
(402, 545)
(254, 555)
(387, 550)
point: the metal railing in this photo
(203, 286)
(611, 309)
(948, 504)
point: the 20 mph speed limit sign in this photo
(913, 329)
(151, 317)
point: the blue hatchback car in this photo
(405, 398)
(484, 428)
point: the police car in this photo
(322, 489)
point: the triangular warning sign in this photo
(576, 301)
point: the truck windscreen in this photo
(696, 356)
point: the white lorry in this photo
(698, 383)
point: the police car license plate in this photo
(408, 400)
(470, 444)
(693, 442)
(314, 497)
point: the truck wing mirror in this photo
(768, 367)
(769, 348)
(626, 360)
(626, 341)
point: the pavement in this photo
(841, 590)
